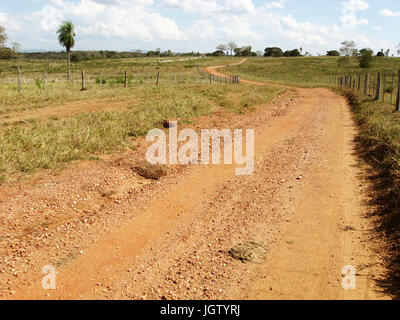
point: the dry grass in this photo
(379, 145)
(30, 145)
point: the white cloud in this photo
(209, 7)
(277, 5)
(350, 21)
(389, 13)
(133, 24)
(354, 5)
(349, 18)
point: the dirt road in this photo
(112, 234)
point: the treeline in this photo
(77, 56)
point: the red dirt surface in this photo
(114, 235)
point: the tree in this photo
(273, 52)
(333, 53)
(292, 53)
(245, 52)
(3, 37)
(365, 58)
(221, 47)
(16, 47)
(387, 52)
(217, 53)
(380, 53)
(348, 49)
(398, 49)
(66, 34)
(232, 46)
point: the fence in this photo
(125, 78)
(381, 87)
(219, 79)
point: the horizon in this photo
(199, 26)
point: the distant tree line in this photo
(77, 56)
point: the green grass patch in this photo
(307, 71)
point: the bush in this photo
(6, 54)
(365, 58)
(292, 53)
(273, 52)
(39, 83)
(103, 81)
(389, 89)
(333, 53)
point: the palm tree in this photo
(66, 34)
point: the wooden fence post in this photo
(158, 78)
(398, 93)
(125, 81)
(391, 93)
(83, 81)
(19, 79)
(101, 77)
(366, 84)
(378, 87)
(359, 82)
(44, 79)
(383, 88)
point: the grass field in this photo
(307, 71)
(29, 144)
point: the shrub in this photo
(365, 58)
(39, 83)
(333, 53)
(273, 52)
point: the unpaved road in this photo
(114, 235)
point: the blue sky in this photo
(200, 25)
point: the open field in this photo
(104, 118)
(308, 71)
(140, 72)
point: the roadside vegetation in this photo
(379, 145)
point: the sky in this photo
(201, 25)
